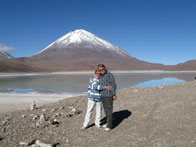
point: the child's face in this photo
(98, 74)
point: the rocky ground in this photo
(149, 117)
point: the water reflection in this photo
(79, 83)
(154, 83)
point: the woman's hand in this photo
(109, 87)
(114, 98)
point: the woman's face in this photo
(102, 70)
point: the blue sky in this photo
(158, 31)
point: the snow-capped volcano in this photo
(84, 39)
(82, 50)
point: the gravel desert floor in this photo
(163, 116)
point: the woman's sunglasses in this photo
(102, 70)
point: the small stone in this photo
(33, 106)
(41, 144)
(61, 108)
(4, 122)
(135, 90)
(58, 114)
(53, 110)
(160, 87)
(7, 119)
(35, 145)
(73, 109)
(56, 121)
(77, 112)
(26, 142)
(69, 115)
(35, 117)
(3, 129)
(44, 110)
(42, 117)
(42, 121)
(23, 116)
(23, 143)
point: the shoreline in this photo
(87, 72)
(10, 102)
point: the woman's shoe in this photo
(83, 128)
(107, 129)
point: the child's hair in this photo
(96, 71)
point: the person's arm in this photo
(96, 86)
(90, 79)
(113, 84)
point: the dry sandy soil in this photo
(147, 117)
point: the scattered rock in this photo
(135, 90)
(35, 145)
(44, 110)
(67, 141)
(73, 109)
(160, 87)
(33, 106)
(3, 129)
(35, 117)
(68, 115)
(58, 114)
(7, 118)
(42, 122)
(54, 122)
(41, 144)
(53, 110)
(23, 116)
(61, 108)
(77, 112)
(4, 122)
(27, 142)
(42, 117)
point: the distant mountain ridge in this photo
(4, 55)
(81, 50)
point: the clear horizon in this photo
(160, 31)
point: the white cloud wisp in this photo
(5, 48)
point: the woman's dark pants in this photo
(108, 108)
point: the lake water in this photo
(78, 83)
